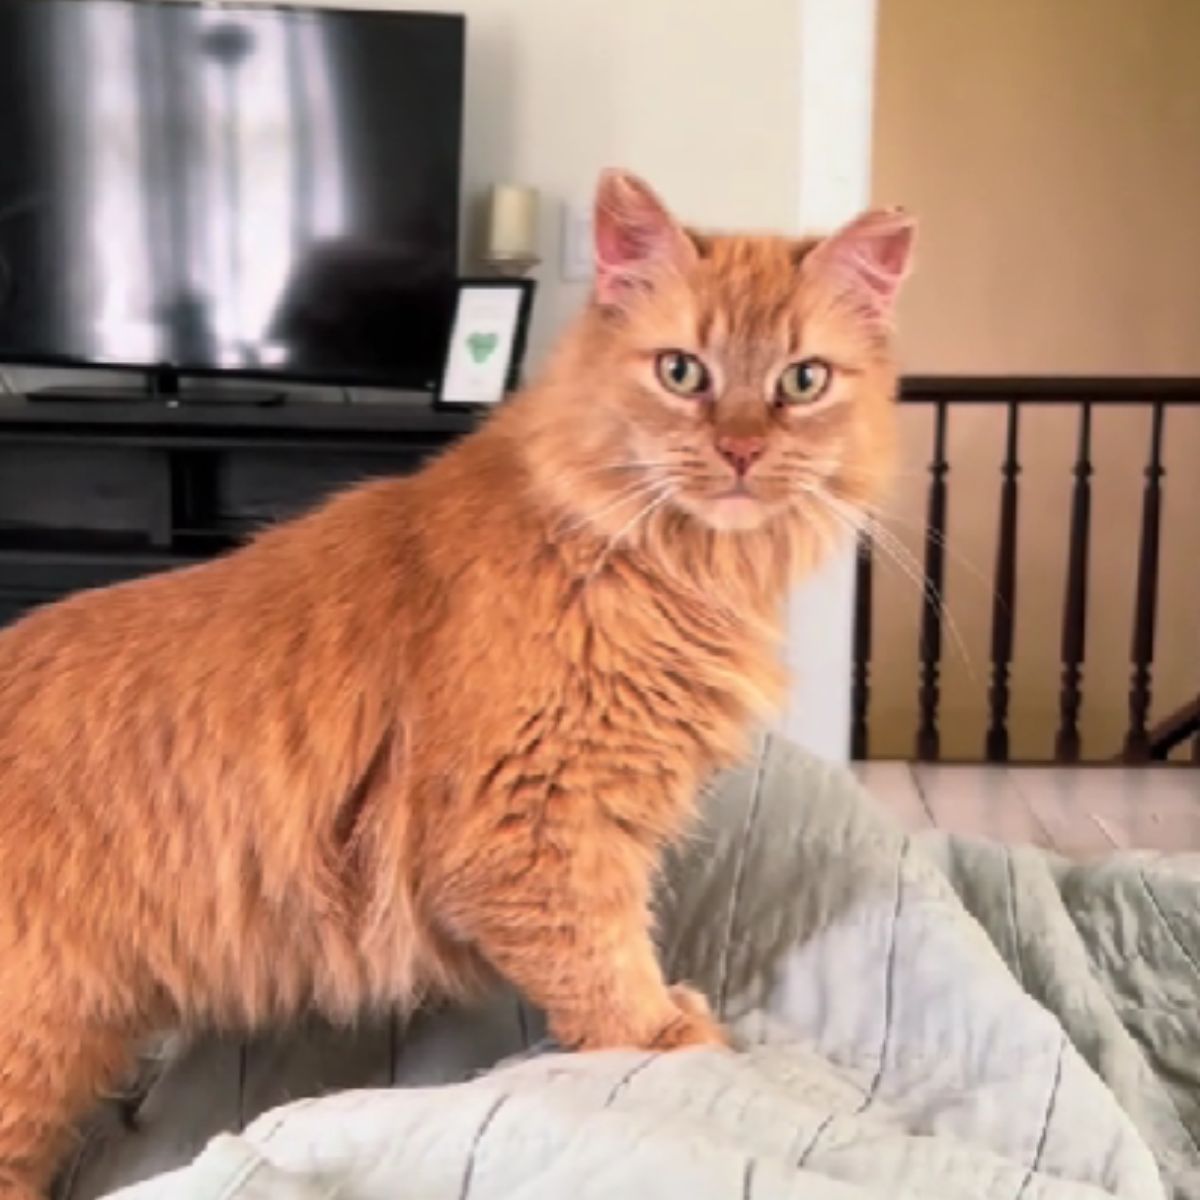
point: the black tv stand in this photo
(177, 396)
(95, 491)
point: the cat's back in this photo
(223, 678)
(253, 601)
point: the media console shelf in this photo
(92, 492)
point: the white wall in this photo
(836, 47)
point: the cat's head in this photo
(736, 379)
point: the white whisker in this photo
(854, 520)
(941, 540)
(629, 494)
(643, 513)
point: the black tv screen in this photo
(252, 190)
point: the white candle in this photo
(512, 222)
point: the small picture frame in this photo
(488, 331)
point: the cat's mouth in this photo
(738, 506)
(738, 490)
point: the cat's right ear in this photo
(637, 239)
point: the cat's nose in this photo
(741, 452)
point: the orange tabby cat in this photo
(443, 725)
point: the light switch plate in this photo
(577, 253)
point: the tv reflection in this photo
(215, 225)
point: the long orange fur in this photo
(442, 726)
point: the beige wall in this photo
(1051, 149)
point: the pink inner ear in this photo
(895, 249)
(619, 244)
(873, 254)
(634, 235)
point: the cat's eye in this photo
(682, 373)
(803, 382)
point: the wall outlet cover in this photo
(577, 252)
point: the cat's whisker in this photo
(613, 542)
(629, 494)
(879, 516)
(646, 469)
(855, 521)
(657, 502)
(901, 558)
(879, 476)
(631, 464)
(940, 539)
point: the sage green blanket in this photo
(918, 1016)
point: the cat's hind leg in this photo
(51, 1073)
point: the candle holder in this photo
(511, 268)
(510, 247)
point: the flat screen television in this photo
(213, 189)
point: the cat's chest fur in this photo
(702, 671)
(620, 689)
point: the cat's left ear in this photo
(870, 257)
(637, 239)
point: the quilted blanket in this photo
(915, 1016)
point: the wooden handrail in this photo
(1051, 389)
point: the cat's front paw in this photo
(694, 1024)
